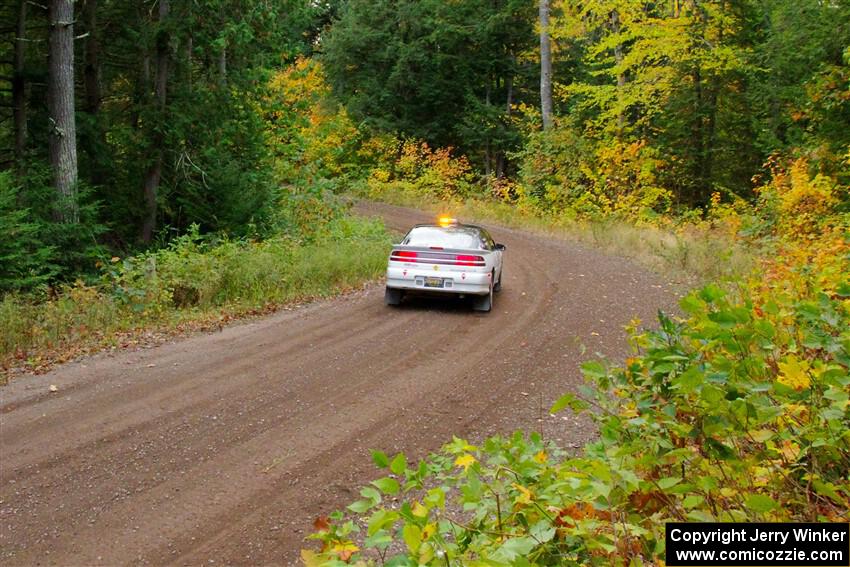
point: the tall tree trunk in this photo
(545, 66)
(92, 71)
(154, 173)
(19, 88)
(488, 158)
(705, 103)
(714, 86)
(94, 143)
(187, 61)
(188, 46)
(698, 136)
(621, 76)
(145, 54)
(502, 159)
(142, 91)
(509, 81)
(222, 66)
(60, 102)
(710, 139)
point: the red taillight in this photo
(403, 256)
(467, 260)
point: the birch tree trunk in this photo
(545, 66)
(60, 104)
(153, 176)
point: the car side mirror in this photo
(500, 247)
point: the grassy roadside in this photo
(690, 253)
(191, 285)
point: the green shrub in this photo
(35, 249)
(738, 412)
(24, 258)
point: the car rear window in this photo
(445, 237)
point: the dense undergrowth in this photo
(64, 294)
(195, 280)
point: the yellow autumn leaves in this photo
(794, 373)
(465, 461)
(798, 374)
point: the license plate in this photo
(433, 282)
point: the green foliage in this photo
(35, 248)
(665, 104)
(800, 43)
(711, 89)
(739, 411)
(222, 176)
(309, 134)
(554, 171)
(564, 173)
(418, 170)
(443, 72)
(24, 258)
(196, 271)
(205, 127)
(193, 278)
(216, 169)
(670, 77)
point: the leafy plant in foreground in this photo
(738, 412)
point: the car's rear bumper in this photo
(472, 283)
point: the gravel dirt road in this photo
(223, 448)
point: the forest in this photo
(126, 123)
(652, 107)
(169, 163)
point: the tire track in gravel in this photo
(222, 448)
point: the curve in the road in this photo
(225, 447)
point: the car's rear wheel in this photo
(484, 302)
(393, 296)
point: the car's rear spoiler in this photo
(436, 255)
(441, 250)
